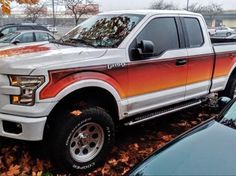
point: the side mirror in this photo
(16, 42)
(146, 48)
(223, 101)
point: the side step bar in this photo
(155, 114)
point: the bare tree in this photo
(197, 8)
(34, 12)
(161, 5)
(77, 8)
(210, 10)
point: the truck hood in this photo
(4, 45)
(24, 59)
(210, 150)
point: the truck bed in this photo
(222, 41)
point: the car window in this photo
(40, 28)
(194, 32)
(159, 31)
(26, 38)
(8, 37)
(228, 117)
(9, 30)
(41, 36)
(50, 37)
(103, 31)
(22, 28)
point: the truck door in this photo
(200, 57)
(158, 79)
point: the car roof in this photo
(150, 12)
(212, 143)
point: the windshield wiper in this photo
(62, 42)
(83, 42)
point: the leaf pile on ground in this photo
(132, 146)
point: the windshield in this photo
(9, 37)
(229, 116)
(103, 31)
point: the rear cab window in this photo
(193, 31)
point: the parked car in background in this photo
(208, 149)
(10, 28)
(19, 37)
(223, 31)
(233, 36)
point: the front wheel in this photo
(82, 140)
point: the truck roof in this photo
(150, 12)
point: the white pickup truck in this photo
(122, 67)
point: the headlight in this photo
(28, 85)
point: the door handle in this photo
(181, 62)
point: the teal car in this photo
(208, 149)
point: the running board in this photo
(155, 114)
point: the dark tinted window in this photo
(24, 28)
(26, 38)
(9, 30)
(163, 33)
(41, 36)
(40, 28)
(194, 32)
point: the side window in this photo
(40, 28)
(41, 36)
(9, 30)
(24, 28)
(26, 38)
(163, 33)
(50, 37)
(194, 32)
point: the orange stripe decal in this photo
(22, 50)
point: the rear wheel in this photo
(228, 34)
(82, 139)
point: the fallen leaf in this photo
(13, 170)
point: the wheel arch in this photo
(92, 89)
(231, 74)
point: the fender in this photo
(230, 73)
(58, 88)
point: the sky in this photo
(107, 5)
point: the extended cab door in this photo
(200, 57)
(158, 79)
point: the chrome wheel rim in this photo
(86, 142)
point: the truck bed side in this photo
(225, 63)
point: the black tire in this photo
(228, 34)
(64, 132)
(230, 88)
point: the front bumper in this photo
(29, 129)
